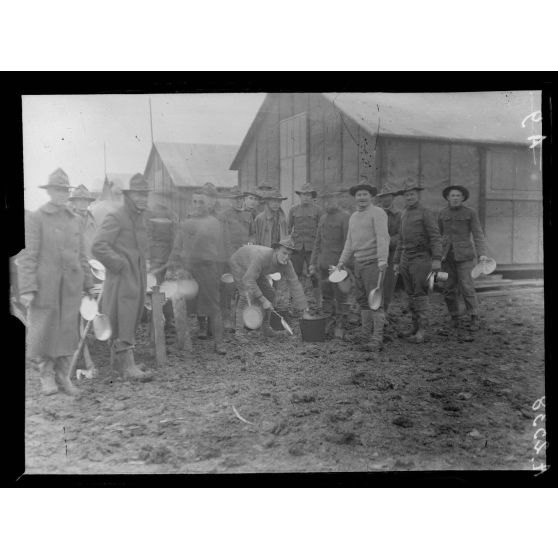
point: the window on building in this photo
(293, 154)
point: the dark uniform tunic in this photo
(419, 243)
(394, 224)
(302, 225)
(329, 243)
(457, 226)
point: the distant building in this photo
(473, 139)
(179, 168)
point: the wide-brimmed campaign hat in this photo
(307, 189)
(388, 190)
(57, 179)
(462, 189)
(236, 192)
(363, 185)
(137, 184)
(286, 242)
(81, 193)
(274, 195)
(410, 184)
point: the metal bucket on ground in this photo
(313, 329)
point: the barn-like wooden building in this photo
(479, 140)
(179, 168)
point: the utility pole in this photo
(151, 120)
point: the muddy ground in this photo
(463, 400)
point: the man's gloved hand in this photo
(382, 266)
(26, 299)
(436, 265)
(266, 304)
(90, 292)
(483, 259)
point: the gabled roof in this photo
(477, 117)
(480, 117)
(194, 164)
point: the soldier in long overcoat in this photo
(53, 273)
(121, 246)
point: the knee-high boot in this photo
(62, 369)
(46, 371)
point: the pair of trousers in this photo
(207, 276)
(298, 260)
(366, 279)
(414, 273)
(331, 293)
(388, 285)
(460, 282)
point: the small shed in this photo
(481, 140)
(178, 168)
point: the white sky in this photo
(68, 131)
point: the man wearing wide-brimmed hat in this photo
(271, 224)
(384, 199)
(252, 201)
(458, 224)
(261, 192)
(302, 224)
(53, 272)
(368, 241)
(419, 251)
(250, 266)
(198, 253)
(80, 199)
(122, 246)
(329, 243)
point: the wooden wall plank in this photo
(333, 156)
(499, 230)
(400, 160)
(317, 141)
(350, 152)
(368, 157)
(465, 170)
(435, 169)
(526, 231)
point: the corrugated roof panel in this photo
(194, 164)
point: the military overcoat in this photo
(121, 245)
(54, 267)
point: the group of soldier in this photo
(252, 240)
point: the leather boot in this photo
(62, 369)
(474, 325)
(329, 311)
(203, 327)
(227, 320)
(216, 324)
(46, 371)
(128, 366)
(377, 341)
(267, 330)
(421, 308)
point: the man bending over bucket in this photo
(249, 266)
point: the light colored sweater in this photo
(368, 236)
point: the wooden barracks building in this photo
(473, 139)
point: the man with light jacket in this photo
(368, 241)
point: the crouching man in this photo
(249, 266)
